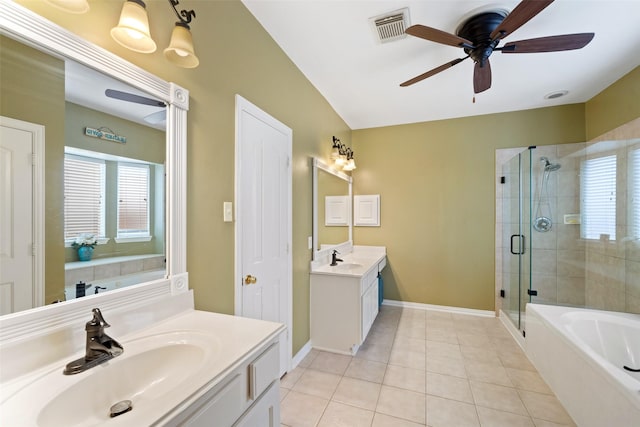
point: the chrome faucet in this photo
(100, 347)
(334, 258)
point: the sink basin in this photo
(150, 369)
(347, 266)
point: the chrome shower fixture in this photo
(548, 166)
(542, 221)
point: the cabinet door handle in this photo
(250, 280)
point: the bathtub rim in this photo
(627, 385)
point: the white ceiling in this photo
(85, 86)
(333, 44)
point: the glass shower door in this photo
(516, 212)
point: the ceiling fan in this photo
(153, 118)
(480, 35)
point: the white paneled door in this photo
(263, 215)
(20, 281)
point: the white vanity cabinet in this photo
(248, 396)
(344, 304)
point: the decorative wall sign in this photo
(105, 133)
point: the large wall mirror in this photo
(332, 201)
(109, 170)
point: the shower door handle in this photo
(521, 244)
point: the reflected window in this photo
(84, 195)
(133, 200)
(598, 198)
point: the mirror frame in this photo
(320, 165)
(36, 31)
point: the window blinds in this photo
(133, 200)
(598, 197)
(84, 183)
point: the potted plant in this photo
(84, 244)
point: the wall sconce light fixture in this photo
(132, 32)
(342, 156)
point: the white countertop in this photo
(235, 339)
(356, 263)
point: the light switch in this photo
(310, 242)
(228, 211)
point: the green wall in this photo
(436, 182)
(32, 89)
(615, 106)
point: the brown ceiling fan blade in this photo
(437, 36)
(481, 76)
(519, 16)
(432, 72)
(549, 44)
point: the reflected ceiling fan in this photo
(480, 35)
(153, 118)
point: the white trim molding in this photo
(23, 25)
(445, 308)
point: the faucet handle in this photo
(97, 320)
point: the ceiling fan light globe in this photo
(180, 50)
(132, 31)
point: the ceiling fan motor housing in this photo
(477, 30)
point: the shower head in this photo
(548, 166)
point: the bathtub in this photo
(119, 282)
(581, 354)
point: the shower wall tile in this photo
(633, 250)
(571, 263)
(569, 237)
(602, 296)
(547, 287)
(567, 205)
(632, 304)
(544, 262)
(546, 240)
(632, 278)
(572, 291)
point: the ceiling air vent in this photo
(390, 26)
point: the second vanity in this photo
(344, 298)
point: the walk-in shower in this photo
(542, 221)
(568, 227)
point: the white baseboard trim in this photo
(300, 355)
(456, 310)
(511, 328)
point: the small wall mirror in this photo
(332, 203)
(83, 126)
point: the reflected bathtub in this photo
(118, 282)
(589, 359)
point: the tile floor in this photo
(422, 368)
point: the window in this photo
(84, 195)
(133, 200)
(598, 198)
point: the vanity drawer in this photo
(223, 408)
(263, 370)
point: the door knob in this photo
(250, 280)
